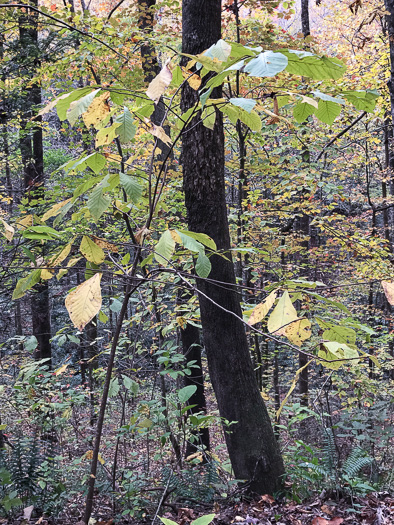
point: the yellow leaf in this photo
(97, 111)
(261, 310)
(25, 222)
(63, 271)
(105, 245)
(292, 387)
(89, 454)
(84, 302)
(91, 251)
(158, 132)
(51, 104)
(298, 331)
(175, 236)
(8, 230)
(46, 274)
(283, 314)
(57, 259)
(60, 370)
(107, 135)
(159, 84)
(388, 287)
(100, 458)
(193, 79)
(55, 210)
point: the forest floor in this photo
(374, 509)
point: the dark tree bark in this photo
(251, 443)
(32, 153)
(305, 18)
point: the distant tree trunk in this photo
(305, 18)
(252, 447)
(32, 153)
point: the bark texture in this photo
(305, 18)
(251, 443)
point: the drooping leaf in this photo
(159, 84)
(26, 283)
(327, 111)
(91, 251)
(130, 385)
(114, 387)
(127, 129)
(208, 117)
(55, 210)
(203, 265)
(201, 237)
(340, 334)
(84, 302)
(266, 64)
(79, 106)
(131, 186)
(328, 98)
(106, 135)
(283, 314)
(307, 64)
(164, 248)
(234, 113)
(332, 351)
(298, 331)
(362, 100)
(97, 111)
(221, 51)
(302, 111)
(96, 162)
(45, 233)
(204, 520)
(262, 309)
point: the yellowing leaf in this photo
(47, 274)
(193, 79)
(283, 314)
(97, 111)
(84, 302)
(100, 458)
(292, 387)
(8, 230)
(105, 245)
(51, 104)
(106, 135)
(158, 132)
(388, 287)
(298, 331)
(25, 222)
(159, 84)
(91, 251)
(60, 370)
(57, 259)
(261, 310)
(55, 210)
(72, 262)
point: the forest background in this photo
(196, 262)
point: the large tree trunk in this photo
(305, 18)
(251, 443)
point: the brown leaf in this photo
(323, 521)
(267, 498)
(388, 287)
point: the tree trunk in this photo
(32, 153)
(305, 18)
(251, 443)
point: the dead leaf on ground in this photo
(323, 521)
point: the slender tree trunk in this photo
(251, 443)
(31, 146)
(305, 18)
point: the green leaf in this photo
(77, 107)
(131, 385)
(204, 97)
(106, 135)
(201, 237)
(283, 100)
(115, 306)
(127, 130)
(131, 186)
(267, 64)
(41, 232)
(327, 111)
(164, 248)
(91, 251)
(103, 318)
(184, 394)
(98, 202)
(332, 351)
(234, 113)
(64, 103)
(189, 243)
(340, 334)
(302, 111)
(203, 265)
(117, 98)
(362, 100)
(114, 387)
(245, 103)
(177, 77)
(26, 283)
(96, 162)
(208, 117)
(203, 520)
(30, 343)
(145, 111)
(328, 98)
(283, 314)
(221, 51)
(307, 64)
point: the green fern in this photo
(356, 461)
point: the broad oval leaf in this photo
(283, 314)
(262, 309)
(127, 128)
(267, 64)
(91, 251)
(245, 103)
(131, 186)
(84, 302)
(203, 265)
(164, 248)
(327, 111)
(184, 394)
